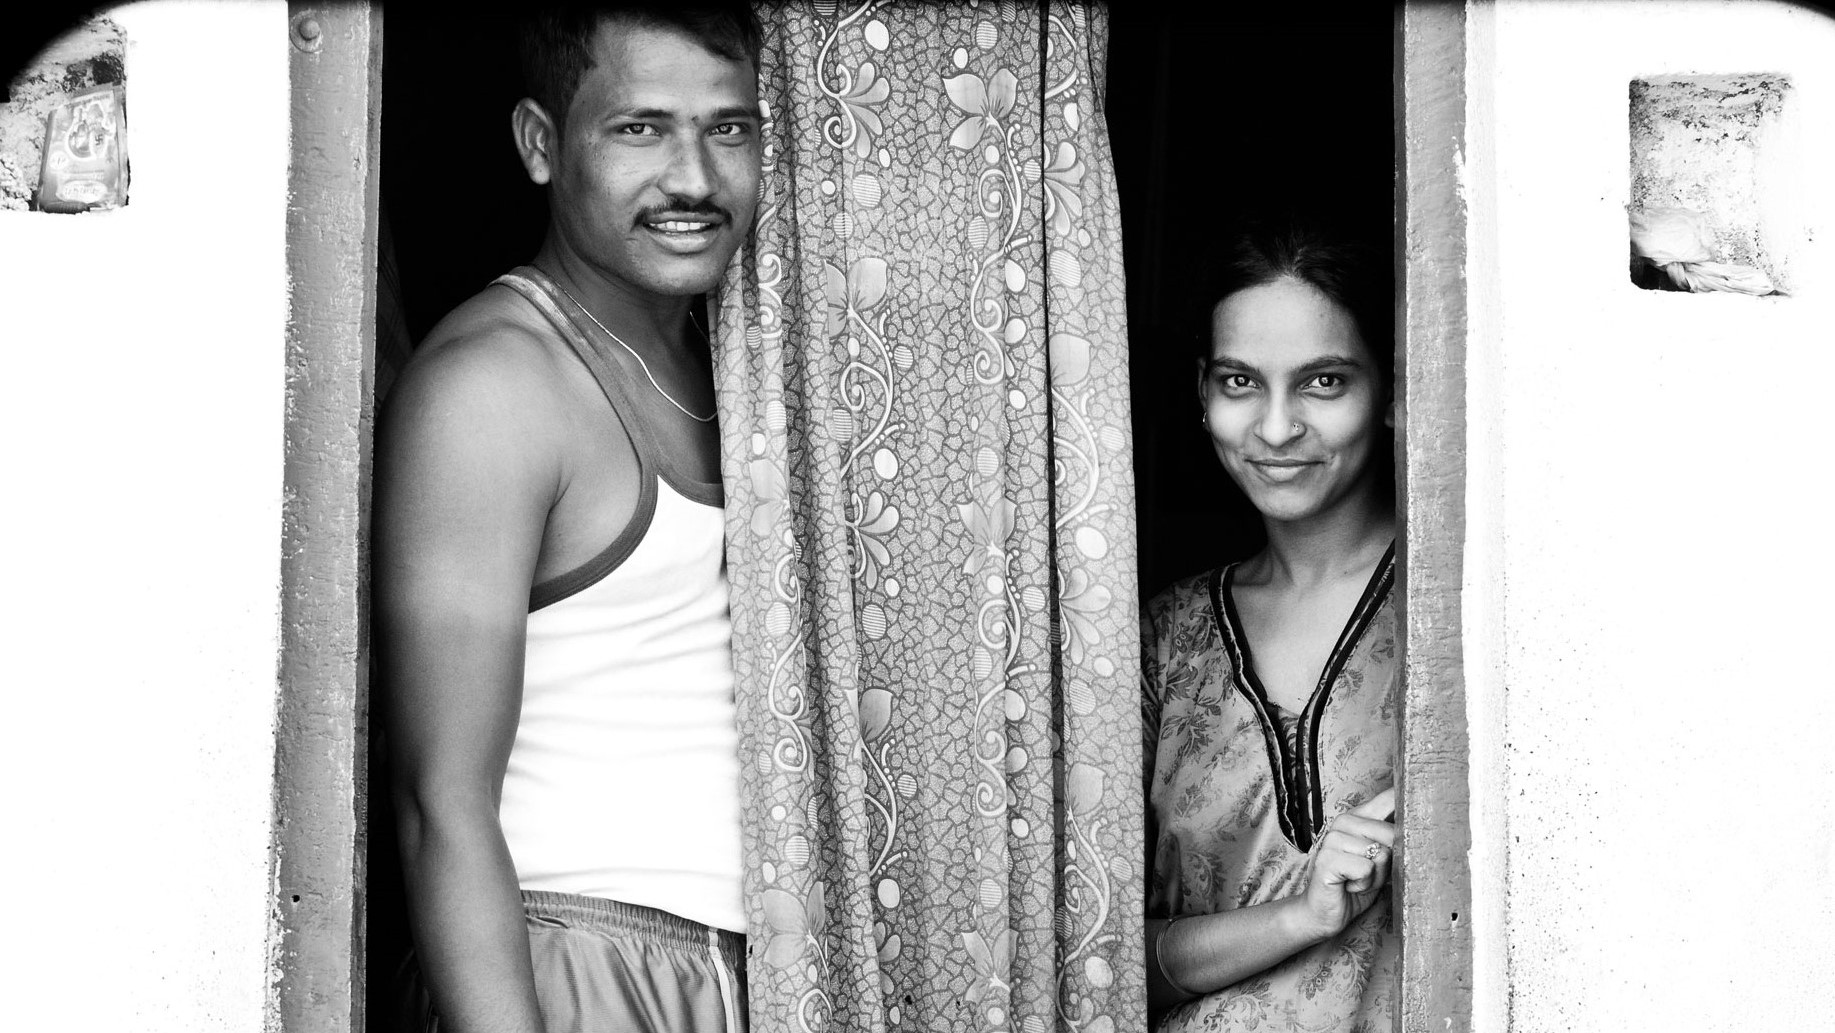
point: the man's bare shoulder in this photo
(494, 357)
(489, 378)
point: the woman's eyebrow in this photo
(1214, 366)
(1325, 362)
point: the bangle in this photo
(1159, 959)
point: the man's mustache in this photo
(683, 209)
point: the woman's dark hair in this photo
(556, 39)
(1340, 265)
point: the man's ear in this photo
(538, 140)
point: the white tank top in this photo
(623, 782)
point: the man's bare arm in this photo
(464, 482)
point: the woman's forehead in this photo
(1287, 322)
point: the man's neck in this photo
(641, 319)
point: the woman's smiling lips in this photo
(1280, 471)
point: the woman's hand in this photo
(1350, 867)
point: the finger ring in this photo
(1373, 851)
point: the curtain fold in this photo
(922, 366)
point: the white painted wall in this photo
(1649, 563)
(141, 413)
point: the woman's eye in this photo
(1236, 383)
(1328, 383)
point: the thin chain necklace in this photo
(709, 418)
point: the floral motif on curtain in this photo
(923, 380)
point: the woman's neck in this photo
(1345, 541)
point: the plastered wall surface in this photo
(1647, 568)
(142, 414)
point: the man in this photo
(549, 585)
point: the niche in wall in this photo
(63, 125)
(1710, 210)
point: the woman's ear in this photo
(1389, 414)
(537, 140)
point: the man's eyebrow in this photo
(736, 111)
(726, 114)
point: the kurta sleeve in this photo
(1153, 698)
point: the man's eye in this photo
(730, 129)
(637, 129)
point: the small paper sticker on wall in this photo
(85, 153)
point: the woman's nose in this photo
(1279, 425)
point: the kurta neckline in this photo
(1299, 797)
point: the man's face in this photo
(656, 173)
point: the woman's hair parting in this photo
(556, 39)
(1343, 267)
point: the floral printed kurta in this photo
(1240, 787)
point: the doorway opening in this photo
(1212, 119)
(1218, 116)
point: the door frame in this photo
(1433, 895)
(317, 941)
(319, 852)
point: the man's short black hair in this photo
(557, 38)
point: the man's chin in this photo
(690, 274)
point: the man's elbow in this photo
(435, 816)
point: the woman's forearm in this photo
(1194, 956)
(467, 918)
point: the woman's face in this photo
(1294, 401)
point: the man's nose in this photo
(1279, 424)
(690, 172)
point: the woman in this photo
(1271, 768)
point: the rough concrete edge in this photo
(317, 862)
(1482, 609)
(1434, 883)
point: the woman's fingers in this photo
(1367, 829)
(1380, 807)
(1370, 843)
(1339, 866)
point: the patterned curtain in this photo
(923, 382)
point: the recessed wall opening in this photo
(1710, 212)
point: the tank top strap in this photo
(535, 286)
(544, 294)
